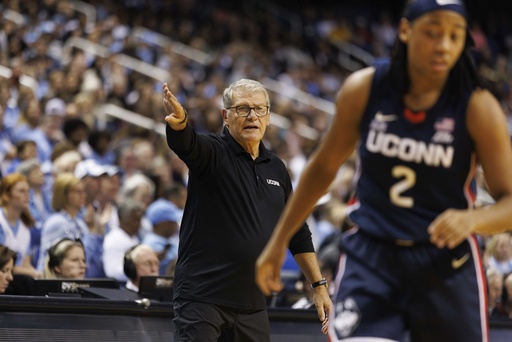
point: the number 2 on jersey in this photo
(397, 190)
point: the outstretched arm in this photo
(334, 150)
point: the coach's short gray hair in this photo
(243, 85)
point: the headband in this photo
(417, 8)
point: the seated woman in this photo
(7, 262)
(15, 221)
(65, 260)
(71, 220)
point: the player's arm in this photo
(333, 151)
(320, 171)
(488, 127)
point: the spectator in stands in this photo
(498, 253)
(504, 307)
(25, 149)
(139, 261)
(66, 162)
(16, 221)
(163, 239)
(40, 196)
(7, 147)
(142, 189)
(127, 161)
(495, 290)
(121, 238)
(76, 131)
(47, 132)
(110, 185)
(31, 115)
(7, 262)
(67, 222)
(99, 141)
(237, 188)
(507, 295)
(66, 260)
(60, 148)
(177, 194)
(89, 172)
(55, 85)
(39, 202)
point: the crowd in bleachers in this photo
(56, 143)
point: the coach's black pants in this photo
(203, 322)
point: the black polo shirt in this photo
(233, 205)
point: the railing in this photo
(128, 62)
(352, 57)
(13, 16)
(298, 95)
(87, 9)
(24, 79)
(154, 38)
(110, 110)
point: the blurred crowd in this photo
(113, 185)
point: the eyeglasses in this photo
(244, 111)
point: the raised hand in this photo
(176, 115)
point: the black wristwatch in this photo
(319, 283)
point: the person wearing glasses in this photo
(237, 189)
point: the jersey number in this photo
(396, 191)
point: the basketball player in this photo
(421, 124)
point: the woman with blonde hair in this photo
(65, 260)
(15, 220)
(70, 220)
(498, 253)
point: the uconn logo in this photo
(273, 182)
(410, 150)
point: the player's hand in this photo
(451, 228)
(268, 269)
(174, 110)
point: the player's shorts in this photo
(384, 289)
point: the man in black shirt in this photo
(236, 191)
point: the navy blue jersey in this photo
(414, 166)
